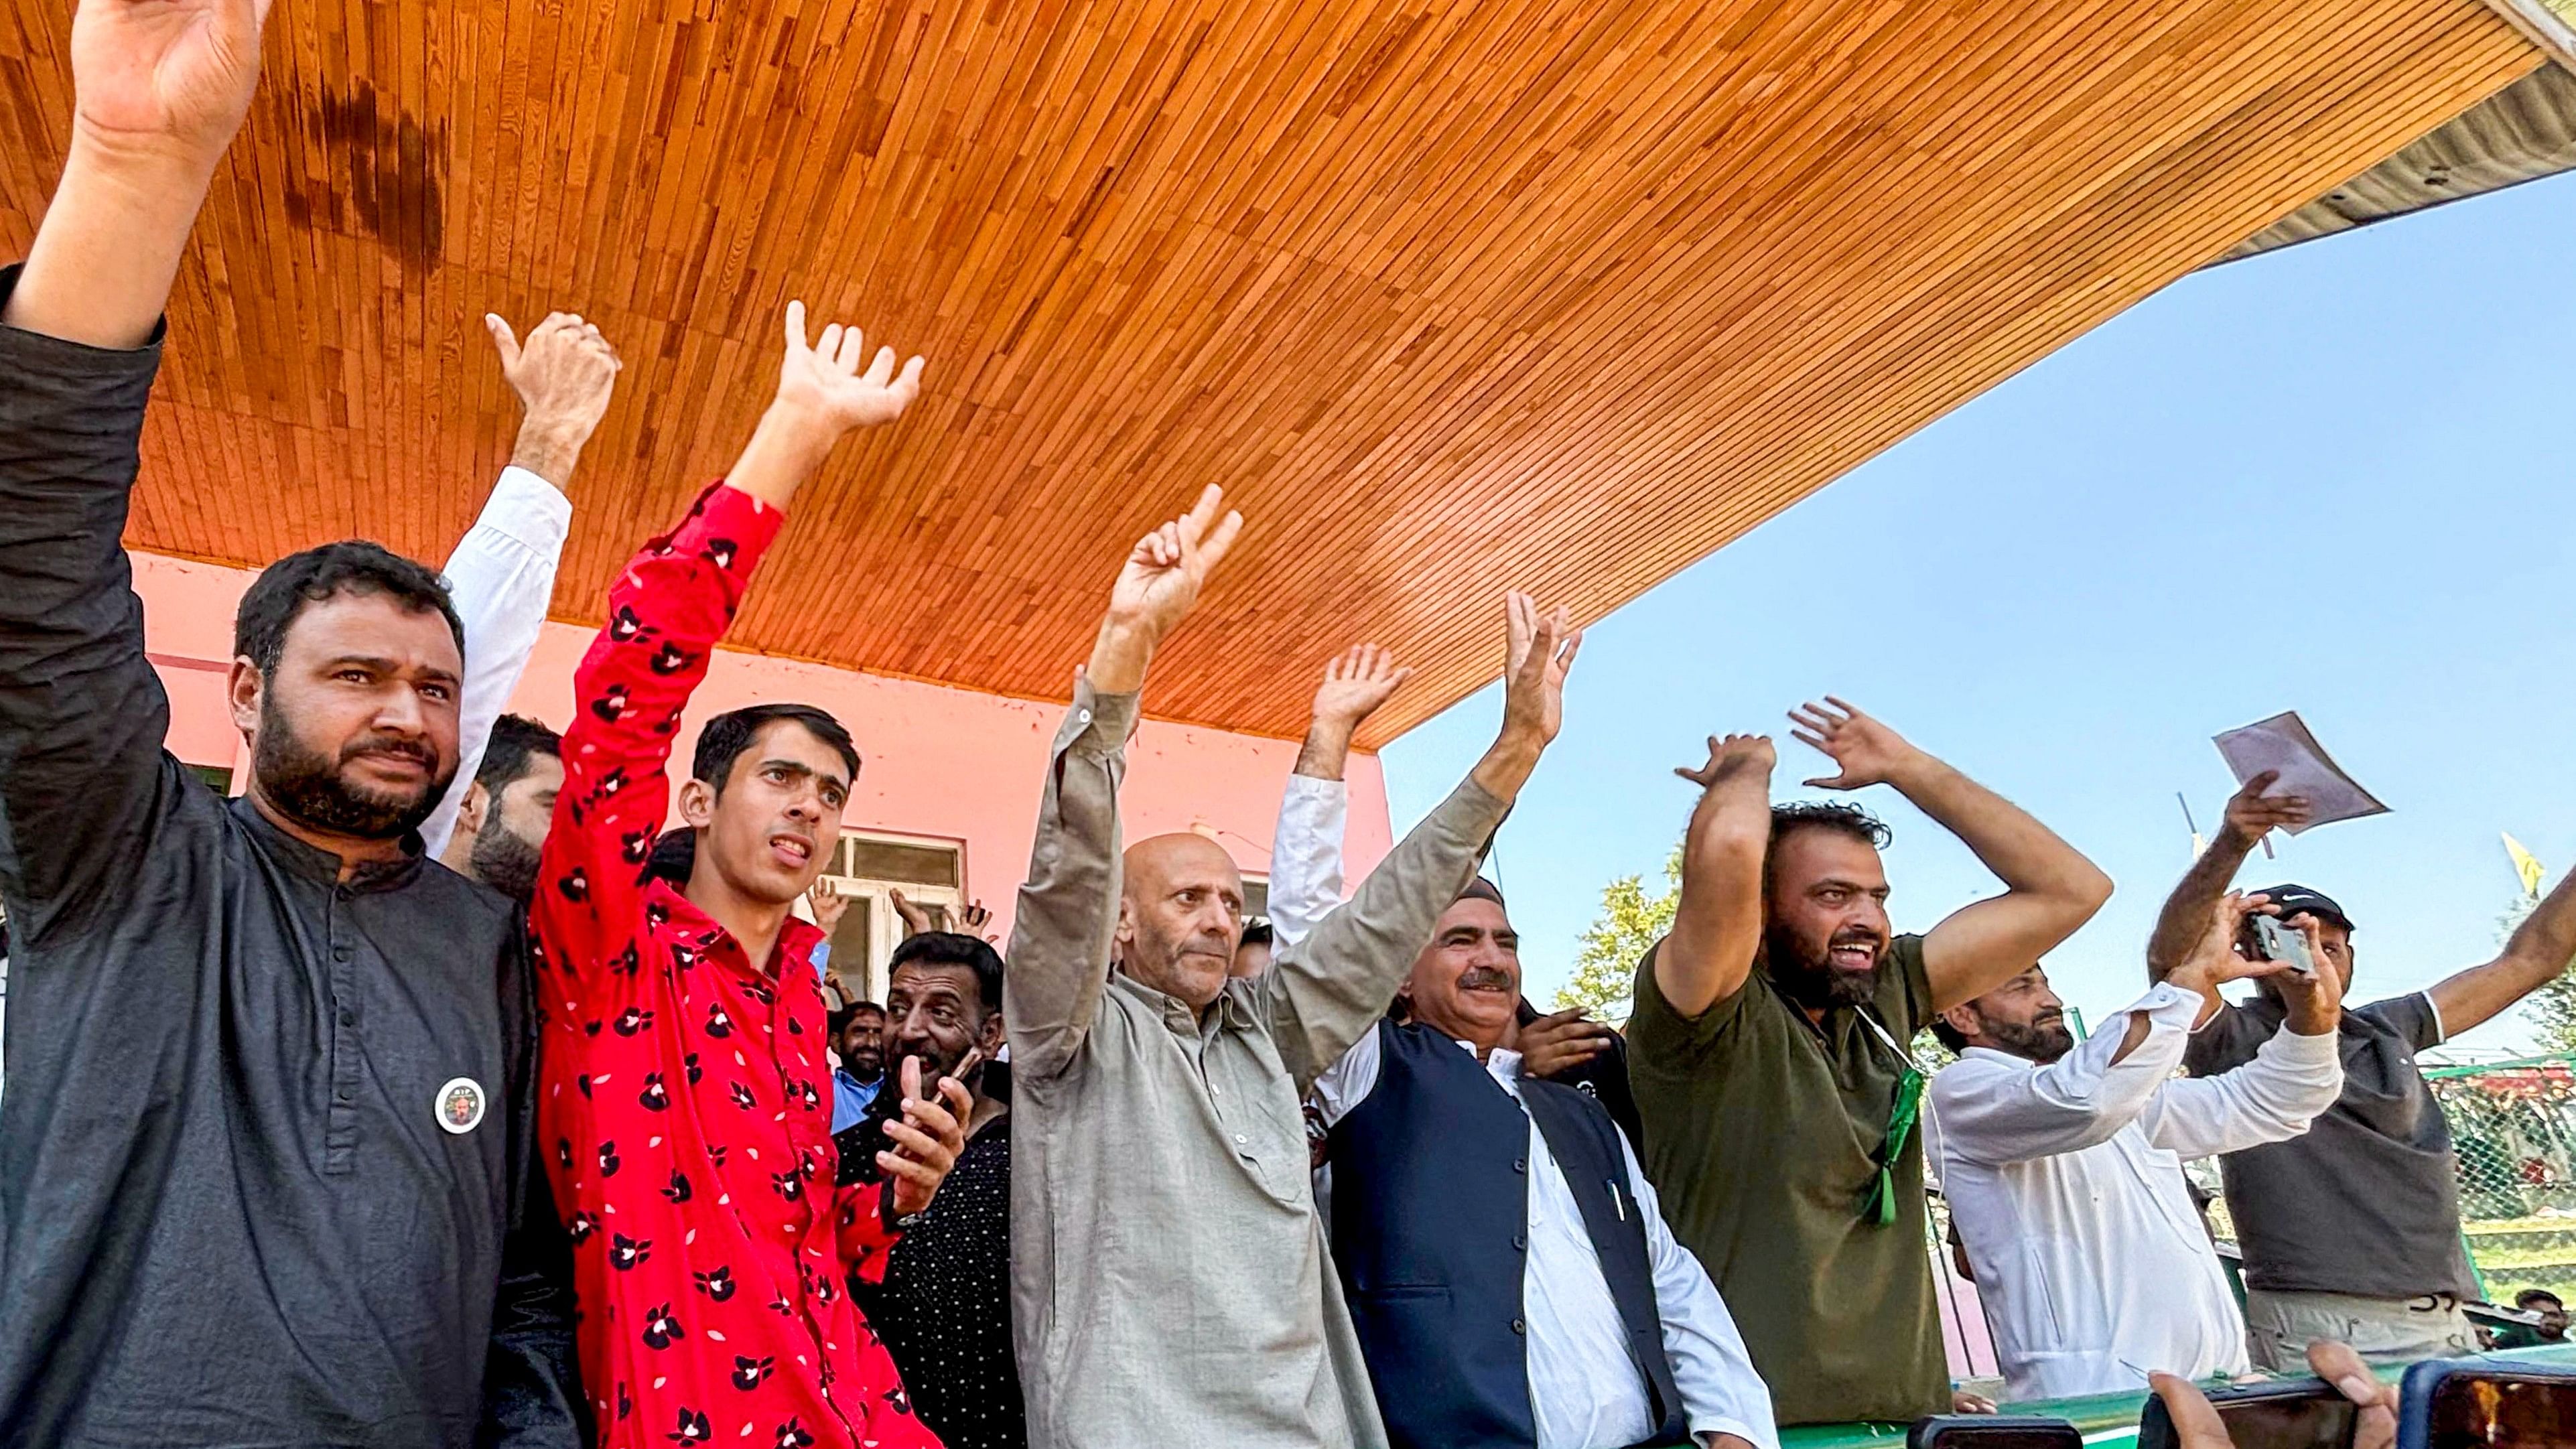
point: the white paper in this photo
(2283, 743)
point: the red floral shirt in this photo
(686, 1100)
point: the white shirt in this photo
(1306, 856)
(1585, 1392)
(501, 580)
(2066, 1184)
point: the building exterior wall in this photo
(941, 764)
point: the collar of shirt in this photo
(675, 913)
(1182, 1019)
(317, 864)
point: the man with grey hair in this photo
(1169, 1276)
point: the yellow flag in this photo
(2524, 866)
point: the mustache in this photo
(400, 749)
(1477, 978)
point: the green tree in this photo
(1605, 965)
(2553, 1007)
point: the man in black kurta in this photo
(266, 1175)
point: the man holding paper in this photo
(2351, 1231)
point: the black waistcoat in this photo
(1431, 1234)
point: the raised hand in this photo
(2251, 814)
(827, 903)
(1164, 572)
(972, 918)
(2314, 998)
(915, 916)
(1869, 752)
(926, 1140)
(1732, 755)
(159, 88)
(1355, 684)
(1539, 649)
(2215, 959)
(171, 78)
(824, 385)
(822, 394)
(563, 374)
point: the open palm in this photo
(166, 74)
(1356, 683)
(1869, 752)
(1539, 648)
(824, 381)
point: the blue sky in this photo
(2335, 479)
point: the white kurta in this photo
(501, 580)
(2066, 1184)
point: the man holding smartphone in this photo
(2059, 1158)
(2351, 1231)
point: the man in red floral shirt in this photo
(686, 1094)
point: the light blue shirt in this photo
(850, 1098)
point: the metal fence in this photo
(2514, 1127)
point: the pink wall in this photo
(940, 762)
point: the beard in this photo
(2042, 1041)
(1811, 978)
(306, 786)
(505, 862)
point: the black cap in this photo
(2295, 899)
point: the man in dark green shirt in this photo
(1768, 1053)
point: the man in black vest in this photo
(1506, 1264)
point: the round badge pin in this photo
(460, 1105)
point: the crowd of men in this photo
(438, 1091)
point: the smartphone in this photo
(2287, 1414)
(2276, 942)
(1992, 1431)
(2487, 1403)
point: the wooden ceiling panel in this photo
(1452, 296)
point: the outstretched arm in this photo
(2184, 920)
(158, 90)
(666, 612)
(2533, 956)
(1068, 909)
(1306, 848)
(1990, 1113)
(1717, 923)
(2294, 1075)
(502, 575)
(2049, 888)
(1324, 992)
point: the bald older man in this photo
(1168, 1270)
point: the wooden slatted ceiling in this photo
(1452, 295)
